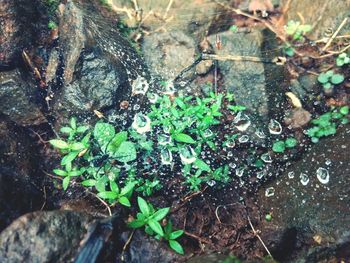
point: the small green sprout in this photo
(329, 78)
(327, 123)
(343, 59)
(297, 30)
(233, 28)
(268, 217)
(280, 146)
(170, 235)
(149, 217)
(52, 25)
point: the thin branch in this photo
(126, 245)
(168, 8)
(335, 34)
(201, 240)
(257, 235)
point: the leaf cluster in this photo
(329, 79)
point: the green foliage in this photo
(233, 28)
(52, 25)
(329, 78)
(281, 146)
(327, 123)
(297, 30)
(343, 59)
(170, 235)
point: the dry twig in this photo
(335, 34)
(127, 244)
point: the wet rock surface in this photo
(169, 53)
(43, 237)
(148, 250)
(97, 84)
(328, 14)
(16, 29)
(19, 99)
(248, 79)
(317, 208)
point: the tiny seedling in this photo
(296, 30)
(343, 59)
(327, 123)
(149, 217)
(280, 146)
(170, 235)
(329, 79)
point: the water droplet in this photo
(270, 192)
(266, 157)
(164, 139)
(166, 157)
(207, 133)
(141, 123)
(260, 174)
(260, 134)
(322, 175)
(240, 171)
(242, 121)
(211, 183)
(230, 144)
(304, 179)
(152, 97)
(275, 127)
(232, 165)
(291, 175)
(140, 86)
(187, 155)
(243, 139)
(328, 162)
(136, 107)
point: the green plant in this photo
(149, 217)
(343, 59)
(329, 78)
(327, 123)
(280, 146)
(297, 30)
(52, 25)
(170, 235)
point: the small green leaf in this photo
(337, 79)
(344, 110)
(291, 142)
(103, 132)
(136, 223)
(69, 157)
(65, 183)
(66, 130)
(156, 227)
(73, 123)
(117, 140)
(160, 214)
(60, 144)
(182, 137)
(126, 152)
(76, 172)
(279, 147)
(124, 201)
(176, 234)
(114, 187)
(202, 165)
(176, 246)
(89, 182)
(77, 146)
(144, 208)
(108, 195)
(128, 188)
(323, 78)
(60, 172)
(82, 129)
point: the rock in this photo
(16, 18)
(254, 84)
(332, 13)
(72, 38)
(195, 18)
(317, 208)
(169, 53)
(148, 250)
(297, 118)
(18, 96)
(96, 86)
(50, 236)
(100, 66)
